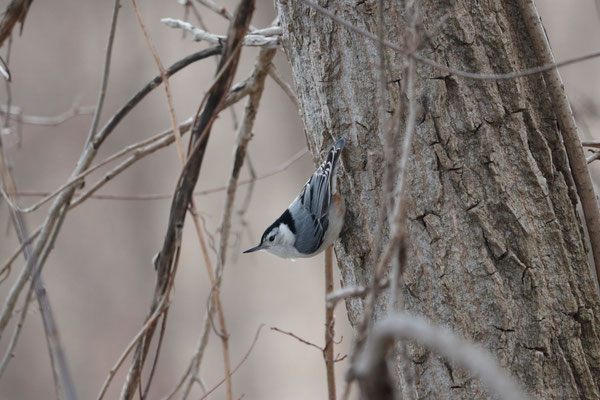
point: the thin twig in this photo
(76, 180)
(165, 79)
(53, 221)
(62, 378)
(206, 115)
(192, 370)
(177, 136)
(243, 209)
(394, 302)
(220, 10)
(388, 145)
(251, 39)
(595, 145)
(15, 254)
(16, 113)
(13, 341)
(234, 370)
(328, 350)
(167, 140)
(298, 338)
(6, 72)
(388, 139)
(161, 307)
(161, 337)
(243, 137)
(105, 74)
(140, 153)
(226, 360)
(397, 228)
(57, 353)
(287, 89)
(36, 258)
(164, 138)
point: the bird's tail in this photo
(331, 162)
(334, 154)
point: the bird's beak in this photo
(253, 249)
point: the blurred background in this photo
(99, 277)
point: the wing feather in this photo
(315, 199)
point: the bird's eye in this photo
(271, 238)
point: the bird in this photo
(314, 220)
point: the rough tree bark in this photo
(496, 248)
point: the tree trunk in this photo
(496, 248)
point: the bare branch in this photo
(207, 113)
(141, 149)
(438, 339)
(241, 213)
(244, 135)
(62, 377)
(16, 113)
(165, 79)
(192, 370)
(349, 292)
(53, 220)
(593, 157)
(165, 139)
(105, 73)
(118, 117)
(257, 39)
(86, 158)
(177, 136)
(16, 11)
(36, 257)
(140, 152)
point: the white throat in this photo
(284, 245)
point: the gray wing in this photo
(313, 202)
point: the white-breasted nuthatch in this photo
(315, 218)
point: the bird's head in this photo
(279, 240)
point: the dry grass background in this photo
(100, 278)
